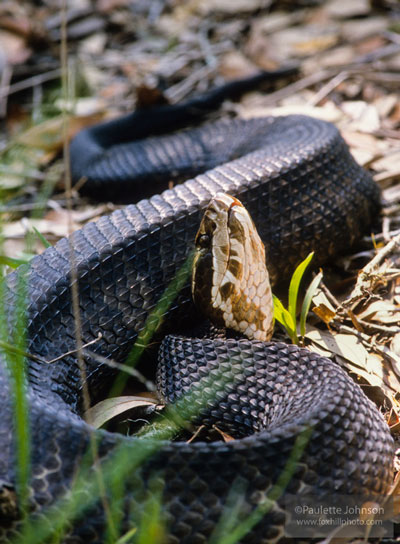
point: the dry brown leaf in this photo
(107, 409)
(107, 6)
(358, 29)
(395, 344)
(322, 307)
(13, 47)
(338, 56)
(389, 176)
(381, 311)
(325, 113)
(354, 356)
(343, 9)
(388, 162)
(314, 45)
(225, 436)
(228, 6)
(385, 104)
(49, 134)
(364, 117)
(234, 65)
(58, 226)
(363, 141)
(344, 345)
(325, 314)
(301, 41)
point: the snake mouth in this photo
(230, 282)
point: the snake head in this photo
(230, 282)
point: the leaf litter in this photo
(349, 59)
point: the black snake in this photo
(305, 192)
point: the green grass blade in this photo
(154, 321)
(127, 538)
(244, 527)
(45, 242)
(152, 525)
(307, 302)
(16, 364)
(12, 262)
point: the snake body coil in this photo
(304, 192)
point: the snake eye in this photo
(204, 241)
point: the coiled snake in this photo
(304, 191)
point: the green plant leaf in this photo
(284, 318)
(12, 262)
(295, 284)
(307, 302)
(127, 537)
(106, 409)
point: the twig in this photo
(5, 89)
(297, 86)
(363, 280)
(392, 36)
(195, 434)
(53, 205)
(205, 46)
(387, 133)
(30, 82)
(76, 310)
(378, 54)
(371, 345)
(74, 351)
(332, 299)
(328, 88)
(381, 236)
(123, 368)
(374, 327)
(383, 77)
(13, 349)
(183, 88)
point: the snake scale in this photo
(305, 192)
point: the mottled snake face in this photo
(230, 282)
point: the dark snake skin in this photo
(305, 192)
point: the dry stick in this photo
(297, 86)
(374, 327)
(29, 207)
(74, 351)
(120, 366)
(392, 36)
(5, 89)
(332, 299)
(30, 82)
(380, 237)
(383, 77)
(384, 51)
(363, 280)
(68, 193)
(178, 91)
(12, 349)
(74, 278)
(387, 133)
(195, 434)
(328, 88)
(358, 67)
